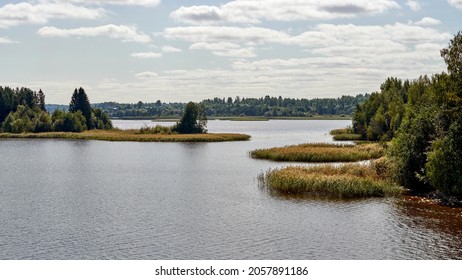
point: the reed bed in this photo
(345, 181)
(345, 134)
(347, 137)
(131, 135)
(320, 153)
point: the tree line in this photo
(224, 107)
(23, 110)
(422, 119)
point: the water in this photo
(64, 199)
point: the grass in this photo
(131, 135)
(345, 181)
(345, 134)
(321, 153)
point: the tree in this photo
(193, 120)
(41, 100)
(453, 58)
(80, 102)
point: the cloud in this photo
(146, 3)
(146, 75)
(455, 3)
(146, 55)
(225, 49)
(226, 34)
(42, 12)
(123, 32)
(428, 21)
(5, 40)
(414, 5)
(170, 49)
(255, 11)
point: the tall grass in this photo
(131, 135)
(321, 153)
(345, 181)
(345, 134)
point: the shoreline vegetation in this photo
(344, 181)
(129, 135)
(240, 118)
(321, 153)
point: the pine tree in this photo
(80, 102)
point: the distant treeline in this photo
(228, 107)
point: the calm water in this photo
(102, 200)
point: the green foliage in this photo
(380, 116)
(445, 161)
(100, 119)
(25, 119)
(68, 122)
(267, 107)
(453, 58)
(193, 120)
(80, 102)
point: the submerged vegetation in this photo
(321, 153)
(344, 181)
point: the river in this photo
(66, 199)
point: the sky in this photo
(180, 51)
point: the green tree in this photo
(101, 119)
(193, 120)
(80, 102)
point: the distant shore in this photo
(241, 118)
(129, 135)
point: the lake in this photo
(66, 199)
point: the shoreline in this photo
(129, 136)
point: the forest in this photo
(228, 107)
(23, 110)
(421, 123)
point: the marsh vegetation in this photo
(321, 152)
(344, 181)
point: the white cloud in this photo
(146, 55)
(147, 3)
(414, 5)
(170, 49)
(255, 11)
(225, 49)
(41, 13)
(146, 75)
(456, 3)
(428, 21)
(226, 34)
(123, 32)
(5, 40)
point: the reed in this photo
(345, 181)
(131, 135)
(345, 134)
(347, 137)
(320, 153)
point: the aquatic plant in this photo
(132, 135)
(344, 181)
(320, 153)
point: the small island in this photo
(23, 115)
